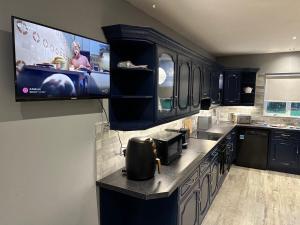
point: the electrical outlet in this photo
(106, 127)
(102, 128)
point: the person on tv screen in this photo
(79, 61)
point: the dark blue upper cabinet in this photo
(166, 83)
(206, 81)
(232, 88)
(216, 86)
(236, 86)
(169, 89)
(183, 79)
(196, 86)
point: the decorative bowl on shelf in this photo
(248, 90)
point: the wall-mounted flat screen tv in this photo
(53, 64)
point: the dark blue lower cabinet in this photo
(214, 179)
(188, 205)
(121, 209)
(204, 200)
(189, 209)
(284, 156)
(194, 208)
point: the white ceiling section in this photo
(229, 27)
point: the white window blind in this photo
(282, 95)
(282, 88)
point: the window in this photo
(282, 95)
(295, 109)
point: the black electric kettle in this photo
(141, 158)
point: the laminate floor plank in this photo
(256, 197)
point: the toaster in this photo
(242, 119)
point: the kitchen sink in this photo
(208, 135)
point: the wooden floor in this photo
(256, 197)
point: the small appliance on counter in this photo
(204, 122)
(242, 119)
(231, 117)
(141, 158)
(205, 103)
(168, 145)
(185, 135)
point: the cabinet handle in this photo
(297, 150)
(285, 135)
(176, 101)
(158, 165)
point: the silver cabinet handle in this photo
(175, 101)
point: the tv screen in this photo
(54, 64)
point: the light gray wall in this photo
(268, 63)
(47, 149)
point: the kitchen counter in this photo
(172, 176)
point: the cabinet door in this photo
(284, 156)
(234, 144)
(206, 82)
(184, 71)
(204, 196)
(232, 86)
(215, 91)
(214, 181)
(166, 83)
(188, 214)
(196, 87)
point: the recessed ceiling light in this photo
(153, 6)
(294, 38)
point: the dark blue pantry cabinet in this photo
(171, 87)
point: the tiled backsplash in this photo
(108, 148)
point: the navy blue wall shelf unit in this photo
(177, 82)
(172, 87)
